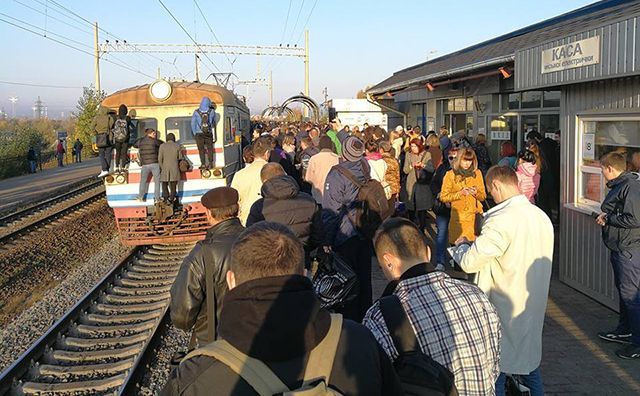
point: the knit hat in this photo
(352, 149)
(220, 197)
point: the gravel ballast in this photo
(27, 327)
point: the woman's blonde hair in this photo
(433, 141)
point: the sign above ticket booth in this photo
(576, 54)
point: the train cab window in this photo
(228, 132)
(140, 125)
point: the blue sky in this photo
(352, 43)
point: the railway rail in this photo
(18, 223)
(101, 344)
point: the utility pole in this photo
(96, 55)
(197, 68)
(306, 69)
(13, 101)
(270, 88)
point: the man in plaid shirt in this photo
(453, 320)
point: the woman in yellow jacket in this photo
(463, 188)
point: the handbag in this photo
(184, 165)
(478, 220)
(335, 282)
(423, 176)
(102, 140)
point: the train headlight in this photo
(206, 173)
(120, 179)
(160, 90)
(109, 179)
(217, 172)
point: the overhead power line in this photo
(295, 25)
(188, 34)
(286, 22)
(212, 32)
(38, 85)
(306, 23)
(124, 66)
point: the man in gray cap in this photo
(193, 306)
(339, 202)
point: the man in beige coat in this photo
(319, 167)
(247, 181)
(513, 260)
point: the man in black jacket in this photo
(284, 203)
(620, 221)
(272, 314)
(148, 147)
(197, 293)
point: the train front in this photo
(167, 107)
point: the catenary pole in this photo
(96, 55)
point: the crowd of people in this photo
(249, 295)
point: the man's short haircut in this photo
(266, 249)
(325, 143)
(147, 131)
(400, 237)
(261, 146)
(615, 160)
(225, 212)
(271, 170)
(307, 141)
(504, 174)
(534, 135)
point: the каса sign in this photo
(576, 54)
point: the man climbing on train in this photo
(203, 127)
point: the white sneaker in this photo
(439, 267)
(103, 174)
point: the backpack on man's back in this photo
(372, 205)
(120, 131)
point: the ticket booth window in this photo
(599, 136)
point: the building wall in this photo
(584, 260)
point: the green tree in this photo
(87, 108)
(16, 136)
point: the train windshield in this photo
(181, 127)
(140, 125)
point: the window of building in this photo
(599, 136)
(531, 100)
(460, 105)
(511, 101)
(140, 125)
(551, 99)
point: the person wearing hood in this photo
(102, 127)
(283, 202)
(272, 314)
(620, 222)
(122, 129)
(203, 127)
(528, 177)
(339, 206)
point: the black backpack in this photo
(372, 205)
(418, 372)
(120, 131)
(205, 125)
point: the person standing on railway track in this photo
(512, 260)
(103, 125)
(199, 288)
(148, 147)
(203, 127)
(272, 315)
(620, 221)
(247, 181)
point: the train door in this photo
(232, 153)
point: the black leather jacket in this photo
(622, 206)
(189, 291)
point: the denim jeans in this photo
(78, 156)
(145, 171)
(626, 276)
(32, 166)
(442, 236)
(533, 381)
(105, 158)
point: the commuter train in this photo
(167, 107)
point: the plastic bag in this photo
(334, 282)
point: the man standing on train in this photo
(197, 293)
(203, 127)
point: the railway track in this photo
(17, 224)
(100, 345)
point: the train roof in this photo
(183, 93)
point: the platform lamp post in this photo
(13, 101)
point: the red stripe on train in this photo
(192, 175)
(218, 150)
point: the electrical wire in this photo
(38, 85)
(75, 48)
(286, 22)
(295, 25)
(54, 18)
(212, 32)
(307, 21)
(44, 32)
(188, 34)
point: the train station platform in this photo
(21, 190)
(574, 359)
